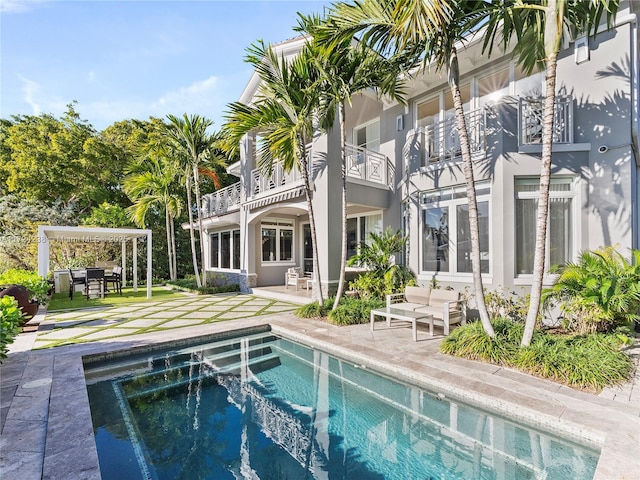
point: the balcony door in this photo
(368, 136)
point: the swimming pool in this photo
(262, 406)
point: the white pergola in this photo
(96, 234)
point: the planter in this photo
(23, 297)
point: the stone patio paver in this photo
(142, 323)
(180, 323)
(106, 333)
(66, 333)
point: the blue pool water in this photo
(263, 407)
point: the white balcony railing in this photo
(442, 141)
(222, 201)
(369, 166)
(531, 117)
(279, 179)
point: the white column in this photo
(43, 252)
(149, 265)
(135, 264)
(124, 263)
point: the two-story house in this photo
(405, 172)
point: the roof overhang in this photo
(91, 234)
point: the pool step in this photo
(263, 362)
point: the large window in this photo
(559, 229)
(277, 240)
(368, 136)
(225, 249)
(446, 239)
(358, 230)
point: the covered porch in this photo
(46, 233)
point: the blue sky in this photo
(133, 59)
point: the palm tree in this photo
(284, 113)
(151, 184)
(540, 27)
(430, 30)
(345, 70)
(191, 143)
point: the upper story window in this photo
(368, 136)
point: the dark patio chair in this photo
(73, 281)
(95, 282)
(115, 279)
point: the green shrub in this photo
(507, 304)
(313, 310)
(190, 285)
(31, 280)
(584, 361)
(353, 311)
(10, 317)
(602, 278)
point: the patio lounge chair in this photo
(295, 277)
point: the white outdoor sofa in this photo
(446, 307)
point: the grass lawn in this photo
(60, 301)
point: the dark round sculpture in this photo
(23, 296)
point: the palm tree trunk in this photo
(343, 153)
(474, 229)
(196, 177)
(174, 255)
(304, 166)
(543, 200)
(168, 228)
(194, 256)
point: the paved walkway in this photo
(46, 420)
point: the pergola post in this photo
(43, 252)
(149, 263)
(124, 262)
(135, 264)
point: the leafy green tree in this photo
(345, 70)
(107, 215)
(283, 113)
(151, 186)
(540, 27)
(192, 145)
(431, 31)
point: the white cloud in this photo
(30, 90)
(197, 96)
(18, 6)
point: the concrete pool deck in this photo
(48, 433)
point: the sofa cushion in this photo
(439, 297)
(438, 313)
(417, 295)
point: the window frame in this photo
(218, 234)
(279, 225)
(574, 225)
(454, 196)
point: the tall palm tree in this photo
(190, 141)
(284, 113)
(430, 30)
(346, 69)
(540, 27)
(151, 184)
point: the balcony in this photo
(222, 201)
(531, 111)
(442, 142)
(368, 166)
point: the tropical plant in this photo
(284, 113)
(431, 32)
(191, 146)
(604, 280)
(10, 318)
(507, 304)
(540, 27)
(151, 184)
(354, 311)
(383, 275)
(37, 285)
(346, 69)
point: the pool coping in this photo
(52, 435)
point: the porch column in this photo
(135, 264)
(149, 265)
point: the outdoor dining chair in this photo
(95, 282)
(115, 279)
(73, 281)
